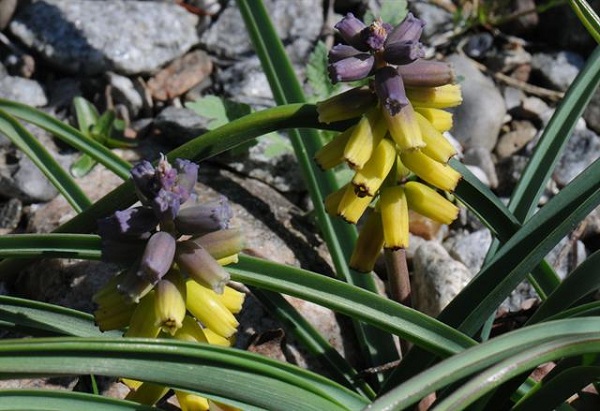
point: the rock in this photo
(480, 174)
(566, 256)
(272, 161)
(7, 9)
(47, 217)
(508, 58)
(481, 157)
(437, 278)
(592, 112)
(10, 214)
(519, 298)
(228, 38)
(181, 75)
(426, 228)
(591, 232)
(478, 45)
(80, 36)
(534, 109)
(21, 179)
(23, 90)
(124, 92)
(478, 119)
(582, 149)
(469, 248)
(245, 82)
(557, 70)
(509, 171)
(438, 19)
(526, 17)
(513, 141)
(177, 126)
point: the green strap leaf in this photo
(583, 281)
(69, 135)
(83, 246)
(559, 389)
(48, 400)
(34, 316)
(33, 149)
(339, 369)
(355, 302)
(233, 376)
(525, 361)
(504, 348)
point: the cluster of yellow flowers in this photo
(397, 148)
(173, 284)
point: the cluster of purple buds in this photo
(391, 54)
(145, 238)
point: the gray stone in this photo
(566, 256)
(437, 278)
(509, 171)
(478, 119)
(124, 92)
(481, 157)
(535, 109)
(592, 112)
(228, 38)
(20, 178)
(273, 162)
(438, 20)
(90, 37)
(245, 82)
(558, 70)
(480, 174)
(176, 126)
(23, 90)
(513, 98)
(10, 214)
(469, 248)
(515, 140)
(582, 149)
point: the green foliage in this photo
(106, 129)
(316, 74)
(391, 11)
(220, 110)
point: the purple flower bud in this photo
(158, 256)
(390, 89)
(424, 73)
(187, 175)
(166, 205)
(144, 181)
(133, 287)
(341, 52)
(403, 52)
(351, 68)
(135, 221)
(350, 28)
(222, 243)
(374, 36)
(204, 218)
(409, 30)
(196, 262)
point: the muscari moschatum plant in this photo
(157, 244)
